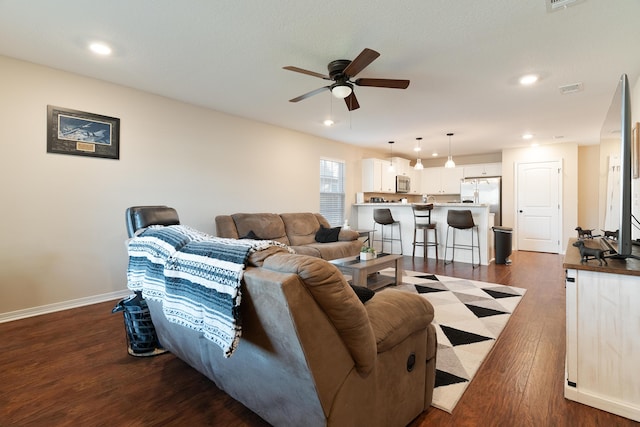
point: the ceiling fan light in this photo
(418, 165)
(341, 90)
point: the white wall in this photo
(62, 223)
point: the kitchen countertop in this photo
(449, 204)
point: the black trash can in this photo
(502, 244)
(141, 334)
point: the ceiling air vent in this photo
(553, 5)
(572, 88)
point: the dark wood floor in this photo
(71, 368)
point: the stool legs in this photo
(425, 241)
(453, 246)
(389, 239)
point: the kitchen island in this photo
(362, 218)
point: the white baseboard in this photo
(606, 403)
(59, 306)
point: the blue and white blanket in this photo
(196, 276)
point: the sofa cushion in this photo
(326, 235)
(266, 226)
(301, 227)
(331, 250)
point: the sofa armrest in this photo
(394, 315)
(348, 235)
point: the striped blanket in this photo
(196, 276)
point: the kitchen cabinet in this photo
(416, 181)
(402, 166)
(376, 177)
(482, 169)
(441, 180)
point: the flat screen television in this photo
(616, 130)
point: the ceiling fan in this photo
(341, 71)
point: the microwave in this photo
(403, 184)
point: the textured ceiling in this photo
(463, 59)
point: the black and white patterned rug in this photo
(469, 317)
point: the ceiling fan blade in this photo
(390, 83)
(365, 58)
(352, 102)
(309, 94)
(303, 71)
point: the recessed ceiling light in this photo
(328, 122)
(527, 136)
(434, 154)
(100, 48)
(528, 79)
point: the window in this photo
(332, 191)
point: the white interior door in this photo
(538, 206)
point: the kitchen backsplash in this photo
(411, 198)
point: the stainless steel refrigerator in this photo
(484, 190)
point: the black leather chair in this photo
(138, 217)
(461, 220)
(422, 222)
(384, 218)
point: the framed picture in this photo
(82, 134)
(635, 149)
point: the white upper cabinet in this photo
(441, 180)
(401, 165)
(376, 177)
(482, 169)
(416, 181)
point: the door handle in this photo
(520, 211)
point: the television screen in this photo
(615, 172)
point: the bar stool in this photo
(384, 218)
(461, 220)
(422, 221)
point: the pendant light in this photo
(391, 167)
(418, 148)
(450, 163)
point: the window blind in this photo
(332, 191)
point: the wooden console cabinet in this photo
(603, 333)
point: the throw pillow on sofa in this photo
(364, 294)
(251, 235)
(326, 235)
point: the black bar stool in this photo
(461, 220)
(384, 218)
(422, 221)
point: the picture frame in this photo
(80, 133)
(635, 151)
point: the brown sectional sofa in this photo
(297, 230)
(311, 353)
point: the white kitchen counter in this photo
(362, 218)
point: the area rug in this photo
(469, 317)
